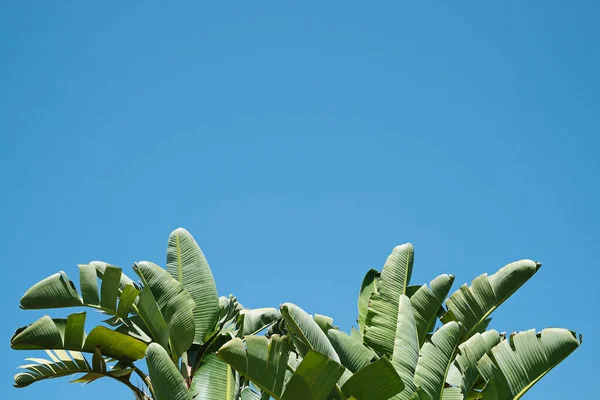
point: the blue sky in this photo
(299, 143)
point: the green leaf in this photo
(324, 322)
(471, 306)
(88, 281)
(110, 288)
(405, 356)
(128, 298)
(214, 380)
(42, 334)
(314, 379)
(75, 332)
(98, 363)
(152, 318)
(258, 319)
(167, 382)
(463, 372)
(187, 264)
(260, 360)
(435, 359)
(41, 369)
(248, 394)
(68, 334)
(101, 269)
(115, 344)
(175, 304)
(513, 370)
(382, 314)
(353, 354)
(56, 291)
(377, 381)
(306, 331)
(367, 288)
(426, 301)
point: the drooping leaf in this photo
(353, 354)
(426, 301)
(167, 382)
(377, 381)
(61, 364)
(56, 291)
(68, 334)
(260, 360)
(187, 264)
(511, 373)
(305, 332)
(42, 334)
(257, 319)
(324, 322)
(367, 288)
(472, 305)
(435, 358)
(314, 379)
(115, 344)
(175, 303)
(214, 380)
(382, 314)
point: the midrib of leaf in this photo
(179, 267)
(228, 382)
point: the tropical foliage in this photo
(411, 343)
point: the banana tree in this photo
(412, 343)
(171, 318)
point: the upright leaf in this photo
(406, 347)
(367, 288)
(382, 314)
(187, 264)
(260, 360)
(110, 288)
(88, 282)
(214, 380)
(435, 359)
(463, 372)
(167, 382)
(175, 303)
(426, 302)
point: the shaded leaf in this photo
(167, 382)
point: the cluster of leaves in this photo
(411, 343)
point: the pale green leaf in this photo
(382, 314)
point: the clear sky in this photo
(299, 143)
